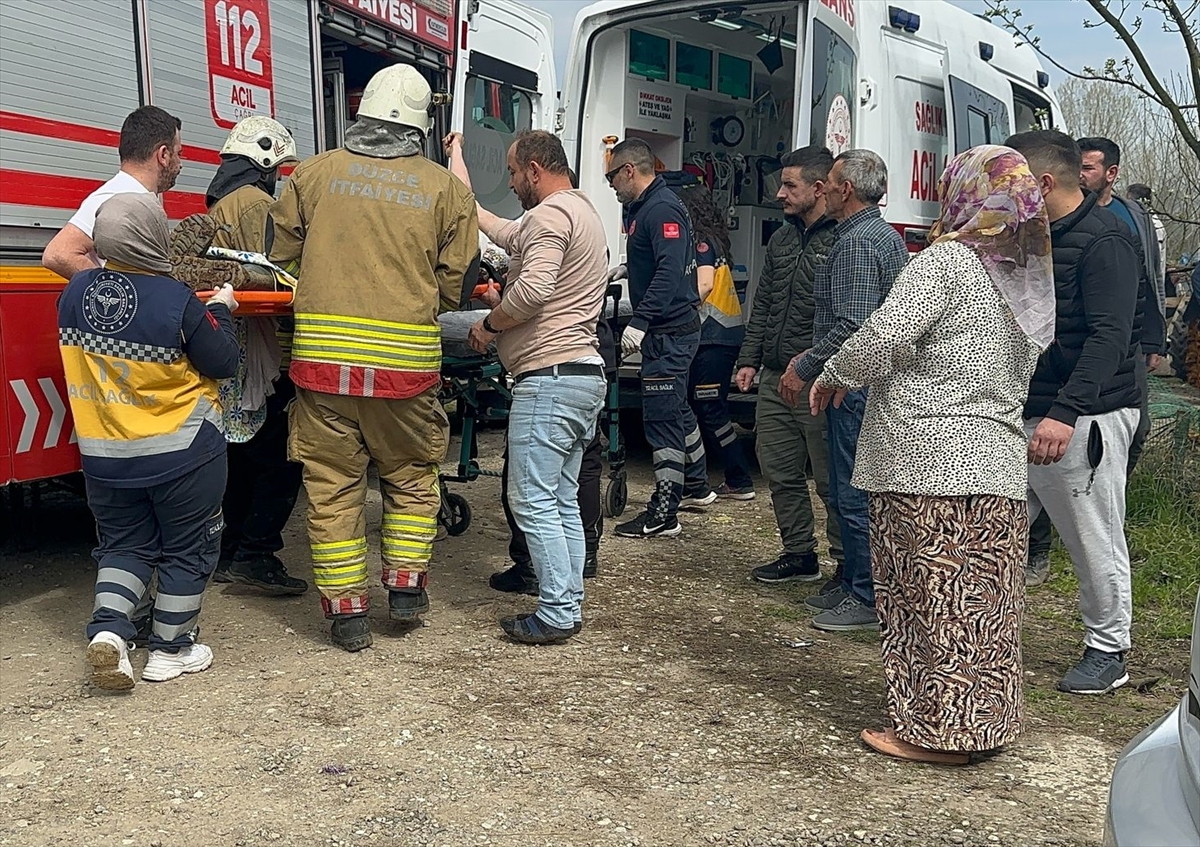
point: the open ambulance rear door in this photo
(504, 83)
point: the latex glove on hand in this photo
(224, 296)
(619, 272)
(631, 340)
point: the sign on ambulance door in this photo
(829, 90)
(237, 36)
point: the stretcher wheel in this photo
(455, 514)
(616, 496)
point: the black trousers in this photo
(589, 504)
(172, 529)
(708, 395)
(263, 485)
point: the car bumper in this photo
(1147, 802)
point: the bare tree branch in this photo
(1176, 104)
(1163, 96)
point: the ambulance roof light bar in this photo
(902, 19)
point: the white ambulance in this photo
(723, 89)
(71, 72)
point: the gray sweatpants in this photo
(1089, 513)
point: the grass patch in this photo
(790, 614)
(1162, 525)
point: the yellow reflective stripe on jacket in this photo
(339, 339)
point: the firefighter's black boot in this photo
(407, 604)
(351, 632)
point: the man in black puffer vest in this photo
(1083, 405)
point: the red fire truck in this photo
(211, 63)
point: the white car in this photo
(1154, 799)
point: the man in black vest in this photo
(1083, 405)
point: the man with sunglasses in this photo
(665, 328)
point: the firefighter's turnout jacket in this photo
(383, 246)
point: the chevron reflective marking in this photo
(57, 415)
(32, 415)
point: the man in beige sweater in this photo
(544, 329)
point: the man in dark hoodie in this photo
(1083, 405)
(263, 484)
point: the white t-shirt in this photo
(122, 183)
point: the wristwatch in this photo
(487, 324)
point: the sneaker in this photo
(698, 499)
(268, 574)
(351, 632)
(530, 629)
(824, 601)
(790, 567)
(1037, 569)
(108, 654)
(221, 574)
(848, 616)
(508, 624)
(1097, 673)
(643, 526)
(518, 579)
(829, 586)
(591, 564)
(727, 492)
(407, 605)
(162, 666)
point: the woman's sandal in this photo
(886, 742)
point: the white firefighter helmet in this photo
(263, 141)
(398, 94)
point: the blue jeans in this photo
(844, 425)
(551, 422)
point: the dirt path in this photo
(695, 708)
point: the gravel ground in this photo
(695, 708)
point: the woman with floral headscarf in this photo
(948, 357)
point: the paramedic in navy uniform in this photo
(665, 327)
(141, 355)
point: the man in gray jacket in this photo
(790, 440)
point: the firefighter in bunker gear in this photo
(263, 484)
(385, 239)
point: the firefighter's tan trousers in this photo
(335, 437)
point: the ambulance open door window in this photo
(834, 90)
(1030, 111)
(497, 107)
(978, 117)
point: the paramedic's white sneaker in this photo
(108, 654)
(163, 665)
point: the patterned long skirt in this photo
(950, 590)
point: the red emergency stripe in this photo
(65, 131)
(51, 191)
